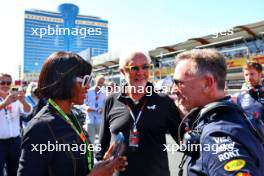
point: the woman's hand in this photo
(108, 167)
(110, 164)
(109, 152)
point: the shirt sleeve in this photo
(223, 155)
(34, 160)
(101, 101)
(173, 119)
(21, 109)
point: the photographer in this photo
(251, 96)
(12, 105)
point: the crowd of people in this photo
(71, 128)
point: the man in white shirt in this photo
(94, 104)
(12, 106)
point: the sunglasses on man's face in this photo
(177, 82)
(135, 68)
(85, 81)
(5, 83)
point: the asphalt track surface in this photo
(174, 158)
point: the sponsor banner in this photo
(238, 62)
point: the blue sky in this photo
(133, 23)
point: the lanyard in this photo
(135, 120)
(96, 98)
(7, 109)
(64, 116)
(96, 94)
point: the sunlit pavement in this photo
(174, 158)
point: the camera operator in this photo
(251, 97)
(12, 105)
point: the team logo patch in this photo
(234, 165)
(242, 174)
(153, 107)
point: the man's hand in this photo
(21, 98)
(89, 109)
(10, 99)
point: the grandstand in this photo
(245, 43)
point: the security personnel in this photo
(251, 97)
(227, 145)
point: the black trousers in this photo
(9, 155)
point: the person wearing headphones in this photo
(226, 143)
(251, 97)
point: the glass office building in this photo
(46, 32)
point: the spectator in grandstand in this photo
(251, 97)
(54, 142)
(12, 106)
(143, 116)
(94, 103)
